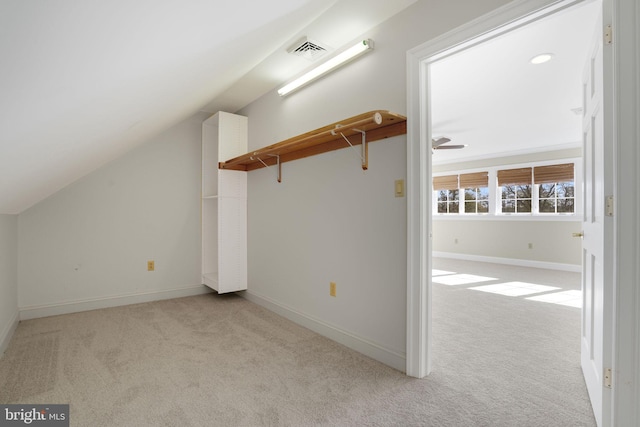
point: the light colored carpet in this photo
(222, 361)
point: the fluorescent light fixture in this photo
(354, 51)
(542, 58)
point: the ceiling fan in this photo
(438, 144)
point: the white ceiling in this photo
(340, 24)
(83, 82)
(493, 99)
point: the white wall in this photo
(508, 239)
(330, 221)
(87, 246)
(8, 278)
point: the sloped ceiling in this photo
(83, 82)
(338, 26)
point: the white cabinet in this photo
(224, 204)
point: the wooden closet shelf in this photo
(371, 126)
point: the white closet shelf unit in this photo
(224, 204)
(365, 127)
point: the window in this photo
(528, 190)
(476, 192)
(476, 200)
(556, 188)
(448, 201)
(515, 187)
(516, 198)
(447, 193)
(557, 198)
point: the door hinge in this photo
(607, 377)
(608, 206)
(608, 34)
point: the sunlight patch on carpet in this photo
(515, 289)
(572, 298)
(435, 272)
(462, 279)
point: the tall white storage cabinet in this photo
(224, 204)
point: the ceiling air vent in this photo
(308, 49)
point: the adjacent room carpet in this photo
(219, 360)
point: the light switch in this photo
(399, 187)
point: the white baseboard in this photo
(36, 311)
(511, 261)
(7, 333)
(359, 344)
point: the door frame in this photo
(624, 90)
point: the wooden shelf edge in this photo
(322, 140)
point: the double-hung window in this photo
(556, 188)
(447, 193)
(515, 189)
(476, 192)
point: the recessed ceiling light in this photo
(542, 58)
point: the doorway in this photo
(419, 321)
(504, 112)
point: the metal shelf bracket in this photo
(364, 156)
(278, 164)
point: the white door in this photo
(596, 262)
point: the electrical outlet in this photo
(530, 245)
(332, 289)
(151, 265)
(455, 240)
